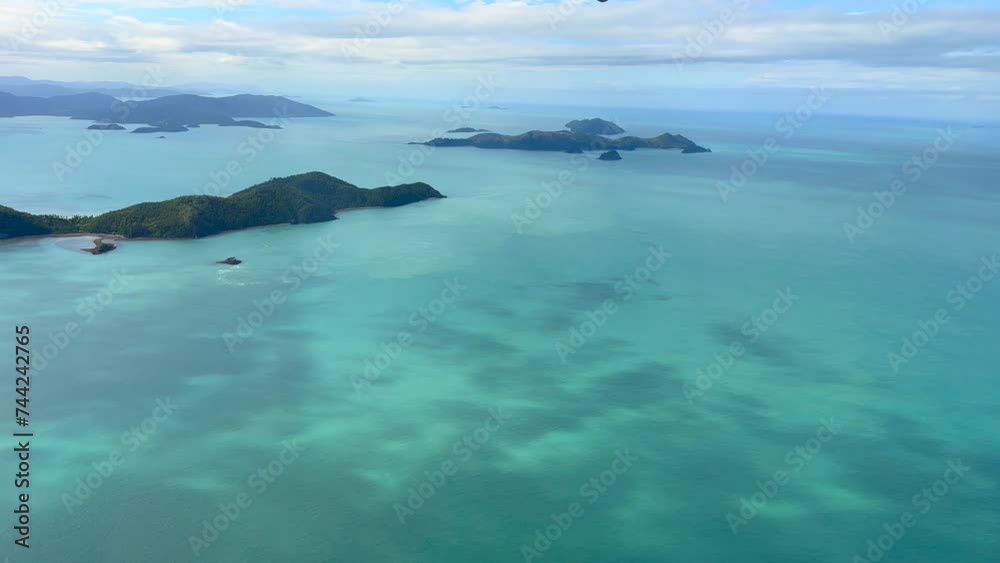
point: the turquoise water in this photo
(487, 306)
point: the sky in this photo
(927, 58)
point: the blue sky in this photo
(906, 57)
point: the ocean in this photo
(778, 351)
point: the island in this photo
(610, 155)
(107, 127)
(165, 128)
(232, 261)
(177, 110)
(248, 123)
(468, 130)
(496, 107)
(594, 127)
(313, 197)
(567, 141)
(100, 247)
(367, 100)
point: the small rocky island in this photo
(610, 155)
(165, 128)
(313, 197)
(232, 261)
(468, 130)
(362, 100)
(100, 247)
(594, 127)
(106, 127)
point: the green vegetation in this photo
(305, 198)
(594, 127)
(567, 141)
(15, 223)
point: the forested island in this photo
(313, 197)
(594, 127)
(567, 141)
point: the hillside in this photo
(594, 126)
(567, 141)
(305, 198)
(181, 109)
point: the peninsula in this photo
(567, 141)
(313, 197)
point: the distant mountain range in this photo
(23, 86)
(176, 110)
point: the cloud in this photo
(631, 41)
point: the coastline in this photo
(175, 239)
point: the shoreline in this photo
(173, 239)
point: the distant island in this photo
(107, 127)
(173, 112)
(567, 141)
(496, 107)
(468, 130)
(248, 123)
(161, 129)
(610, 155)
(367, 100)
(594, 127)
(313, 197)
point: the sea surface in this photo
(566, 360)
